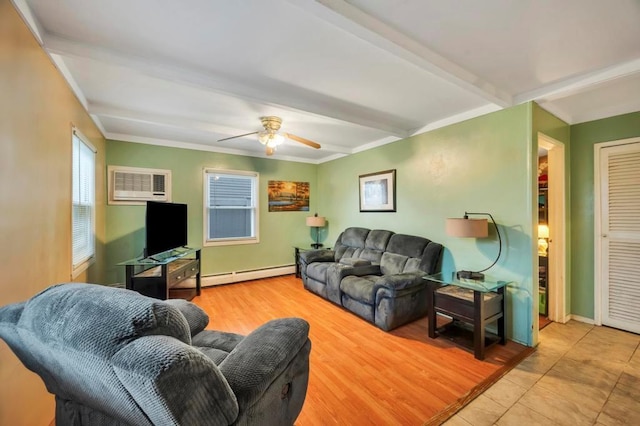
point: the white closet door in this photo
(620, 239)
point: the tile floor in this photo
(580, 374)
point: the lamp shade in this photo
(467, 228)
(543, 231)
(316, 221)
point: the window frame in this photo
(255, 176)
(78, 266)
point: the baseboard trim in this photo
(239, 276)
(582, 319)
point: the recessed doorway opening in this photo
(550, 231)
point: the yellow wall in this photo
(37, 110)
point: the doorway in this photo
(543, 237)
(617, 234)
(551, 233)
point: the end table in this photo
(471, 305)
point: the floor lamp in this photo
(473, 228)
(317, 222)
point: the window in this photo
(231, 207)
(83, 204)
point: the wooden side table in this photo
(158, 276)
(296, 257)
(471, 305)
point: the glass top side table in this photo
(483, 286)
(163, 275)
(471, 305)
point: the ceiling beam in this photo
(278, 95)
(457, 118)
(580, 83)
(370, 29)
(161, 120)
(27, 15)
(182, 123)
(207, 148)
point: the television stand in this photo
(163, 275)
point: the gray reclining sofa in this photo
(375, 274)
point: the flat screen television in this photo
(166, 227)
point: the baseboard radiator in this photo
(230, 277)
(239, 276)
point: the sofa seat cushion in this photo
(217, 340)
(215, 355)
(352, 261)
(361, 288)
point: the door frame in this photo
(557, 272)
(597, 222)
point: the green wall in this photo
(481, 165)
(583, 138)
(279, 231)
(486, 164)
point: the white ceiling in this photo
(350, 75)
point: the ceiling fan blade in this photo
(270, 150)
(304, 141)
(239, 136)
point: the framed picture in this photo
(285, 196)
(378, 192)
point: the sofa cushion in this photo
(195, 316)
(431, 258)
(392, 263)
(173, 383)
(361, 288)
(407, 245)
(377, 239)
(375, 245)
(352, 261)
(318, 271)
(119, 315)
(215, 355)
(350, 253)
(352, 238)
(412, 265)
(217, 339)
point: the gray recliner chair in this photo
(114, 357)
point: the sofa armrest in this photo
(359, 271)
(402, 280)
(263, 356)
(323, 255)
(195, 316)
(172, 382)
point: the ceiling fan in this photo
(271, 138)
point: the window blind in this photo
(83, 202)
(231, 205)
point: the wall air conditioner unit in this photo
(132, 185)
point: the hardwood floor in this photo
(543, 321)
(359, 374)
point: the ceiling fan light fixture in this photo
(270, 138)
